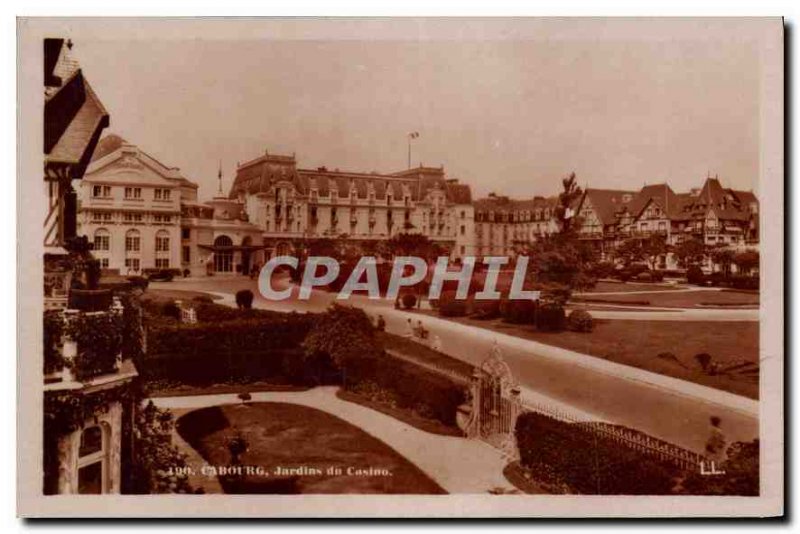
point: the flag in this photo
(413, 135)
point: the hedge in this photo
(559, 452)
(450, 306)
(254, 348)
(412, 387)
(519, 311)
(486, 309)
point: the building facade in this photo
(506, 227)
(130, 208)
(294, 205)
(713, 215)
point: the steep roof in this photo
(726, 203)
(608, 202)
(662, 194)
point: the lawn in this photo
(613, 287)
(679, 299)
(645, 344)
(168, 295)
(663, 347)
(302, 450)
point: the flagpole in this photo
(409, 151)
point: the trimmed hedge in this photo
(559, 452)
(450, 306)
(550, 318)
(486, 309)
(695, 275)
(580, 321)
(519, 311)
(409, 386)
(253, 346)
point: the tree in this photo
(629, 252)
(405, 244)
(560, 262)
(653, 248)
(690, 252)
(567, 201)
(724, 257)
(343, 333)
(747, 261)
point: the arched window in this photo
(102, 240)
(93, 460)
(162, 249)
(223, 254)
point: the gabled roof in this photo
(113, 143)
(607, 203)
(726, 203)
(661, 194)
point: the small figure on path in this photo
(717, 443)
(381, 324)
(437, 343)
(409, 329)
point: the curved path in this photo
(458, 465)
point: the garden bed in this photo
(306, 444)
(405, 415)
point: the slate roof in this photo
(260, 174)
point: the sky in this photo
(506, 116)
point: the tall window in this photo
(162, 249)
(133, 241)
(102, 240)
(162, 242)
(161, 194)
(223, 255)
(93, 461)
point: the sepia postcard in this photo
(412, 267)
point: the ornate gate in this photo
(495, 404)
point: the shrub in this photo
(408, 386)
(557, 452)
(703, 360)
(580, 321)
(486, 309)
(657, 276)
(694, 275)
(244, 299)
(170, 309)
(519, 311)
(717, 279)
(744, 282)
(138, 282)
(550, 318)
(604, 269)
(409, 300)
(450, 306)
(186, 273)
